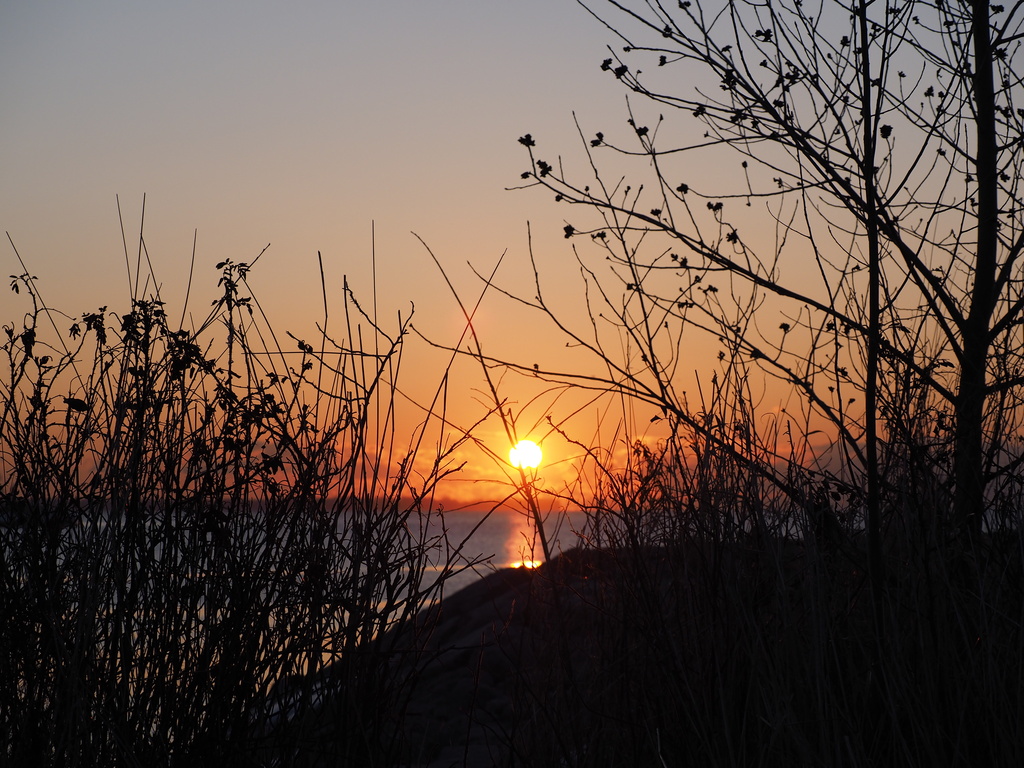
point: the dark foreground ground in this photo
(462, 711)
(767, 655)
(491, 660)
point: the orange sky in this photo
(299, 125)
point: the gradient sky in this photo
(294, 124)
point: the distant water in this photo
(507, 538)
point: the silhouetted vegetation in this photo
(809, 555)
(816, 558)
(205, 534)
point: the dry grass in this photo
(213, 552)
(194, 522)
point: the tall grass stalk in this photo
(205, 533)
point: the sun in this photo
(526, 454)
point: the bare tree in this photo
(875, 150)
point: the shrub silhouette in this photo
(195, 525)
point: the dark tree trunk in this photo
(969, 499)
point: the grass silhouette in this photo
(214, 553)
(196, 524)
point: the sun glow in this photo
(526, 454)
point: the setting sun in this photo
(526, 454)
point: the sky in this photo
(292, 124)
(305, 126)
